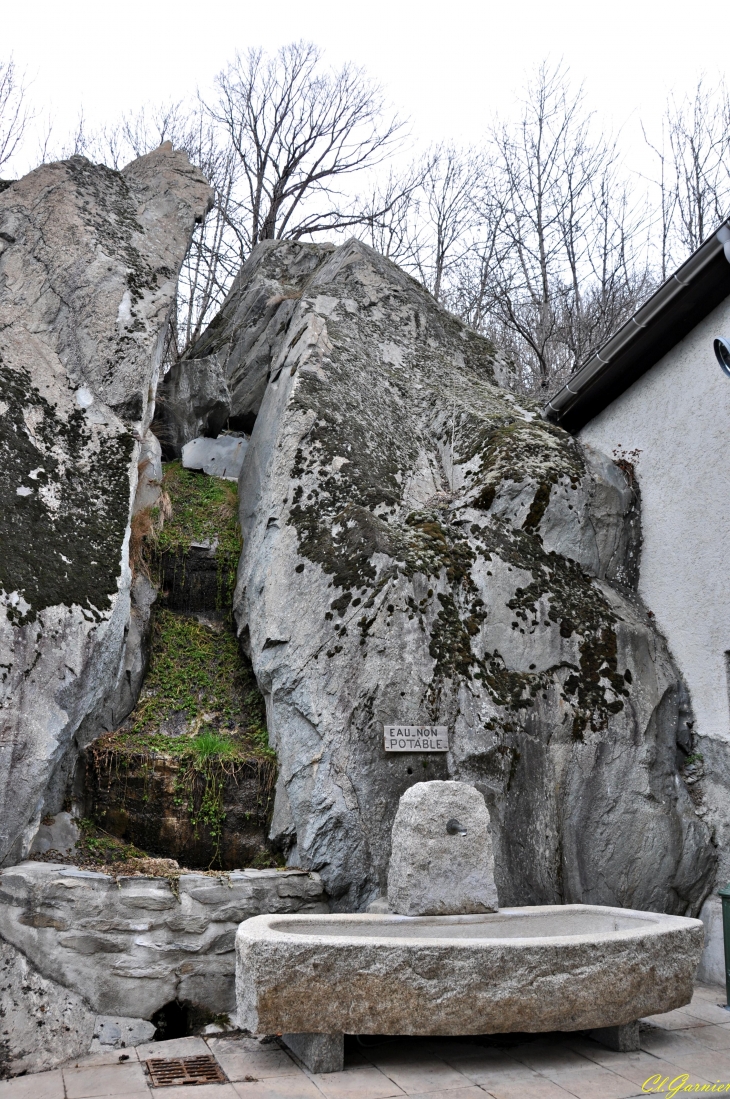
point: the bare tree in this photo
(698, 139)
(276, 146)
(693, 182)
(557, 263)
(473, 285)
(543, 171)
(297, 131)
(217, 248)
(422, 218)
(667, 199)
(388, 212)
(446, 215)
(14, 112)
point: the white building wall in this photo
(678, 416)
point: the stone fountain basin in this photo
(542, 968)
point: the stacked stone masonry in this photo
(131, 945)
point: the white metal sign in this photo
(416, 738)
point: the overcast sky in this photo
(449, 66)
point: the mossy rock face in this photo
(420, 547)
(197, 548)
(190, 774)
(88, 267)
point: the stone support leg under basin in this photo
(318, 1052)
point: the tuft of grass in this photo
(96, 846)
(209, 745)
(201, 509)
(200, 683)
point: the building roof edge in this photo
(680, 303)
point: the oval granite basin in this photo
(552, 967)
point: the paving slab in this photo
(41, 1085)
(712, 1065)
(595, 1083)
(538, 1089)
(711, 993)
(709, 1012)
(426, 1074)
(674, 1020)
(240, 1063)
(487, 1071)
(716, 1037)
(105, 1080)
(639, 1073)
(360, 1081)
(282, 1087)
(175, 1047)
(674, 1046)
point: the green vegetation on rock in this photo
(200, 706)
(197, 683)
(200, 717)
(200, 509)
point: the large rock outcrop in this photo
(420, 548)
(223, 379)
(42, 1023)
(88, 270)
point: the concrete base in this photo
(712, 965)
(624, 1039)
(318, 1052)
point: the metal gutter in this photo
(680, 303)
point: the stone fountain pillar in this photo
(441, 861)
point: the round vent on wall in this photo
(722, 352)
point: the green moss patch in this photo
(198, 686)
(201, 717)
(197, 509)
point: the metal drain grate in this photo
(168, 1072)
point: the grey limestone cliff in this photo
(419, 547)
(89, 260)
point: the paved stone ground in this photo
(694, 1041)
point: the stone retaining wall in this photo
(130, 945)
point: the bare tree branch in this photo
(14, 112)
